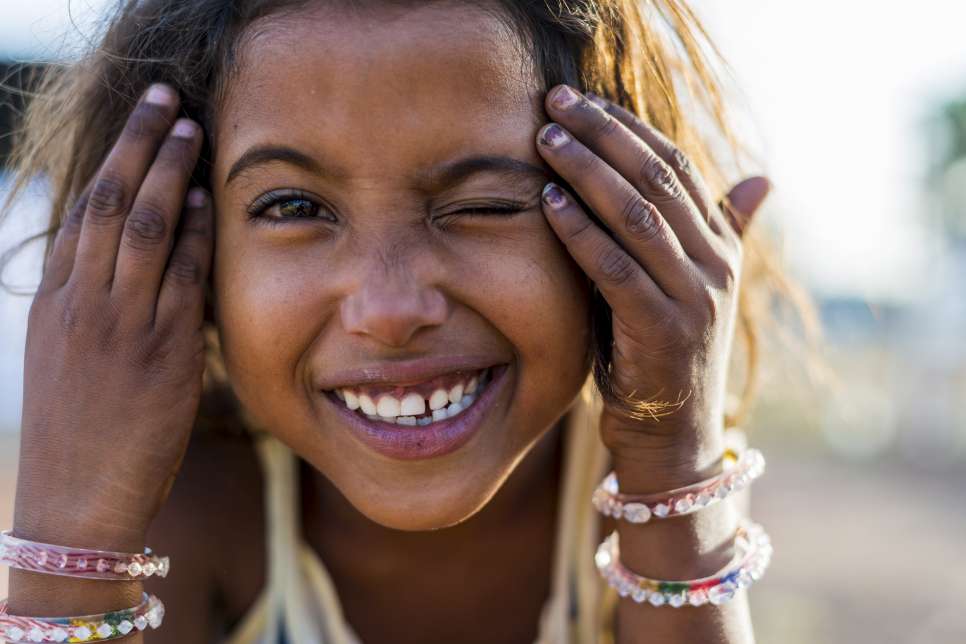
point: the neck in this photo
(529, 495)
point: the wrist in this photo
(79, 522)
(682, 456)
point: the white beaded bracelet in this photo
(103, 626)
(752, 556)
(740, 465)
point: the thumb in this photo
(743, 202)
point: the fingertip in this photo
(747, 196)
(197, 198)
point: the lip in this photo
(408, 443)
(406, 373)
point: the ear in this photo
(743, 201)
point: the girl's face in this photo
(380, 238)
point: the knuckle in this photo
(146, 227)
(107, 197)
(681, 163)
(641, 218)
(707, 303)
(147, 121)
(576, 234)
(184, 269)
(658, 174)
(616, 266)
(604, 127)
(587, 163)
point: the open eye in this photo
(277, 207)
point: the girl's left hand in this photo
(668, 265)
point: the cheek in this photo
(527, 286)
(268, 313)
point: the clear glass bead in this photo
(677, 600)
(120, 567)
(15, 634)
(154, 618)
(637, 513)
(149, 568)
(661, 510)
(656, 599)
(722, 593)
(35, 635)
(59, 635)
(697, 597)
(82, 633)
(639, 594)
(140, 622)
(104, 631)
(125, 627)
(134, 569)
(683, 504)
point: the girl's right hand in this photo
(115, 352)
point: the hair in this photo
(653, 57)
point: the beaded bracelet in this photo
(740, 467)
(89, 628)
(752, 556)
(79, 562)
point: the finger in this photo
(149, 230)
(60, 261)
(118, 181)
(744, 200)
(182, 296)
(619, 277)
(640, 165)
(635, 222)
(682, 166)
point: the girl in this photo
(424, 234)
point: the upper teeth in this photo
(413, 408)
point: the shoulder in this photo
(212, 527)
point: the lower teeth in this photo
(439, 414)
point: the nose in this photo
(391, 304)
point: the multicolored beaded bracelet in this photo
(79, 562)
(740, 466)
(89, 628)
(752, 556)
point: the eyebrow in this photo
(264, 154)
(459, 170)
(442, 176)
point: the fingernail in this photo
(553, 196)
(197, 198)
(554, 136)
(564, 98)
(597, 100)
(160, 94)
(184, 129)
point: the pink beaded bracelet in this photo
(740, 467)
(752, 556)
(89, 628)
(79, 562)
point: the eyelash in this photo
(258, 208)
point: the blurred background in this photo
(857, 112)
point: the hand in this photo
(115, 352)
(665, 258)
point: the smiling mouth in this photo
(423, 404)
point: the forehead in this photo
(386, 81)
